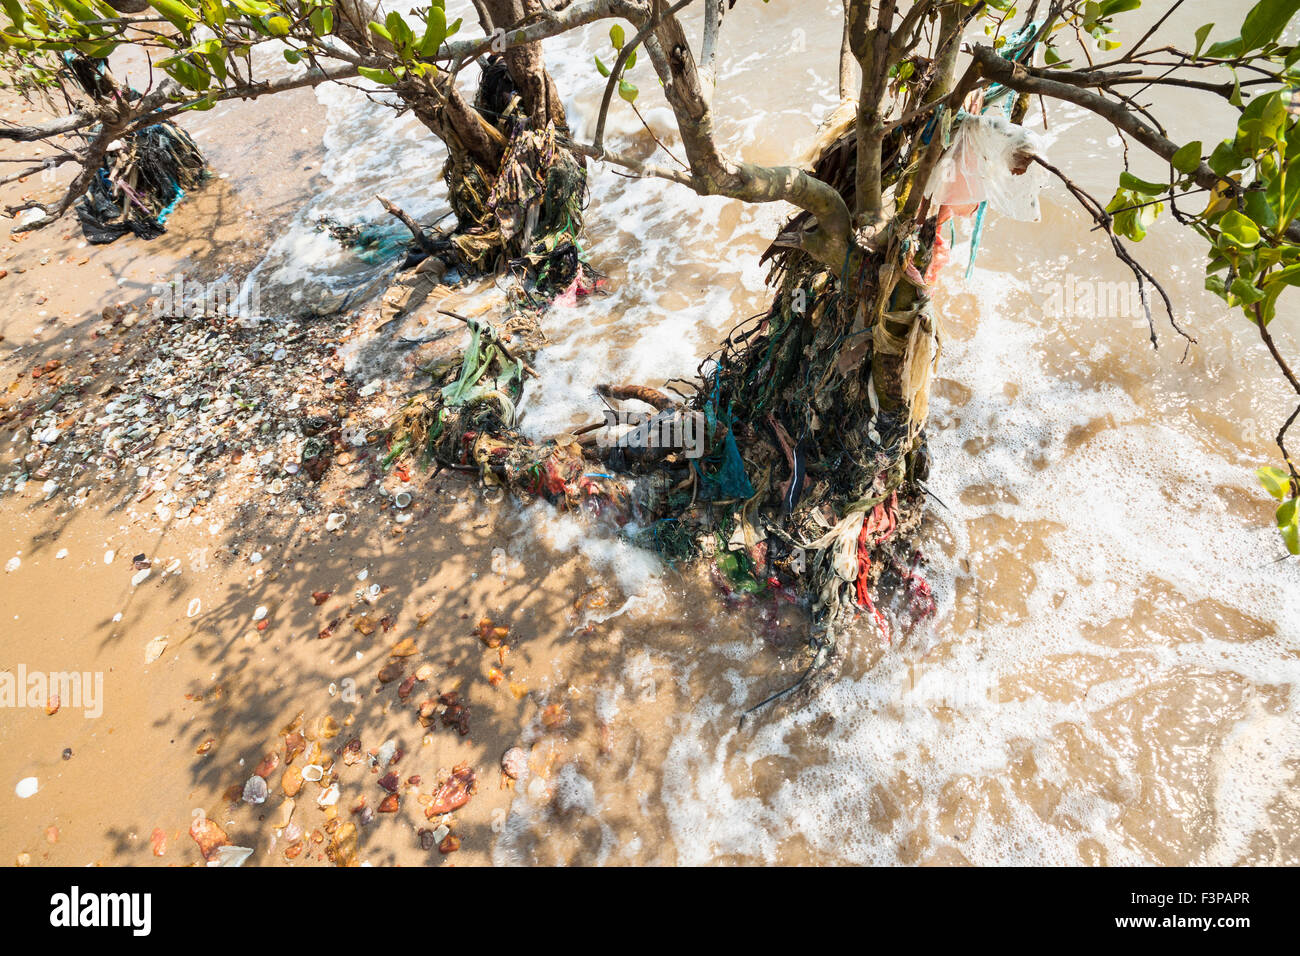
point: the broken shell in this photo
(255, 790)
(387, 754)
(554, 716)
(312, 772)
(343, 845)
(231, 855)
(402, 499)
(329, 796)
(284, 815)
(335, 521)
(294, 744)
(514, 763)
(208, 836)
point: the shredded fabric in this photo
(140, 183)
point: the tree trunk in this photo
(517, 191)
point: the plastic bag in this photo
(980, 167)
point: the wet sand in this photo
(1111, 678)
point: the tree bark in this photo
(526, 62)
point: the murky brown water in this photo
(1111, 678)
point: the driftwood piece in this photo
(425, 242)
(640, 393)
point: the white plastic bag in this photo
(978, 167)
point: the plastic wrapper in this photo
(980, 166)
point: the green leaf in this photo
(254, 8)
(179, 14)
(398, 29)
(1275, 481)
(1288, 522)
(1201, 33)
(1239, 230)
(616, 36)
(1245, 292)
(435, 31)
(1112, 7)
(378, 76)
(217, 63)
(322, 21)
(1266, 21)
(279, 26)
(627, 90)
(1225, 49)
(1129, 181)
(601, 67)
(1225, 158)
(15, 11)
(1188, 157)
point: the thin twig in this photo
(1104, 219)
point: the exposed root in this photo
(805, 479)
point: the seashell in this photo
(313, 772)
(514, 763)
(284, 815)
(255, 790)
(335, 521)
(402, 499)
(154, 649)
(231, 855)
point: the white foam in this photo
(1117, 477)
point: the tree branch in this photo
(1097, 211)
(715, 174)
